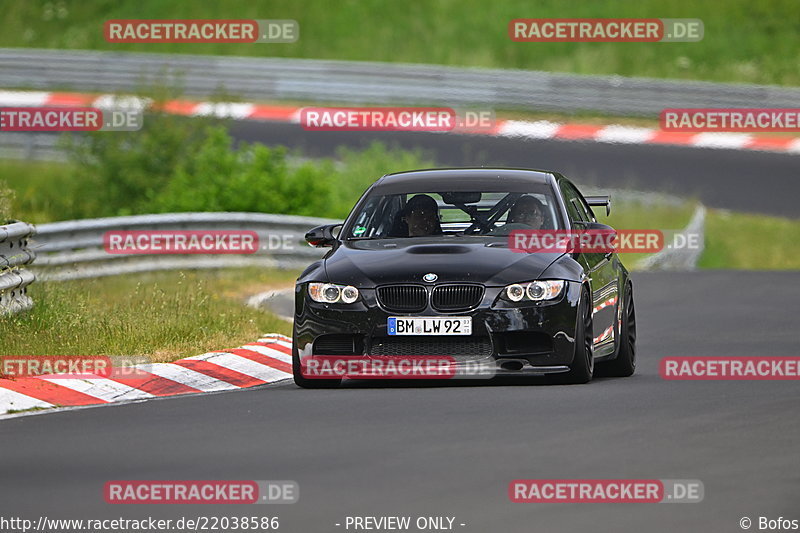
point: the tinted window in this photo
(569, 201)
(462, 213)
(577, 208)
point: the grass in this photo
(161, 316)
(41, 190)
(736, 241)
(633, 214)
(29, 410)
(744, 241)
(6, 197)
(745, 41)
(630, 214)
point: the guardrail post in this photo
(14, 278)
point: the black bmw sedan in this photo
(424, 266)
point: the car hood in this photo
(376, 262)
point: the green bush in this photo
(174, 164)
(6, 196)
(121, 173)
(248, 178)
(181, 164)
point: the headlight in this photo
(536, 291)
(349, 294)
(329, 293)
(515, 292)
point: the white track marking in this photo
(23, 98)
(625, 134)
(270, 352)
(224, 110)
(187, 377)
(114, 101)
(10, 399)
(242, 365)
(541, 129)
(286, 342)
(721, 140)
(794, 147)
(102, 388)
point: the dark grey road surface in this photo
(452, 450)
(758, 182)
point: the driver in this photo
(527, 210)
(422, 216)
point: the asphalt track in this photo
(452, 450)
(740, 180)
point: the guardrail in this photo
(681, 259)
(31, 146)
(14, 278)
(74, 249)
(375, 83)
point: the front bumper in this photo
(531, 339)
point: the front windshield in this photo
(489, 213)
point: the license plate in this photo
(423, 325)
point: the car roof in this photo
(455, 179)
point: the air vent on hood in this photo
(438, 249)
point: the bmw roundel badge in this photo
(430, 277)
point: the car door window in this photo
(578, 209)
(571, 200)
(583, 207)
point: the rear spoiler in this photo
(600, 201)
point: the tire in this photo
(582, 368)
(624, 364)
(307, 383)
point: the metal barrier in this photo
(31, 146)
(681, 259)
(74, 249)
(14, 278)
(375, 83)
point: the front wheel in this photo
(582, 368)
(624, 364)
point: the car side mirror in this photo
(596, 226)
(593, 226)
(323, 236)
